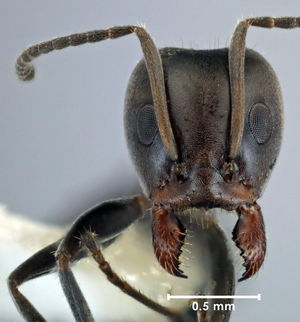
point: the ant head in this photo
(199, 104)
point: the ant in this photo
(204, 130)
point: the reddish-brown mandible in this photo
(168, 238)
(249, 236)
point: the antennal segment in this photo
(237, 68)
(25, 69)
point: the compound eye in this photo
(260, 122)
(146, 125)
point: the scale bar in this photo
(251, 297)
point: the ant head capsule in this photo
(199, 104)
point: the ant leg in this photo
(37, 265)
(88, 239)
(101, 222)
(236, 57)
(249, 236)
(41, 263)
(44, 261)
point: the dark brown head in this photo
(205, 173)
(199, 104)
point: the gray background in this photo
(62, 145)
